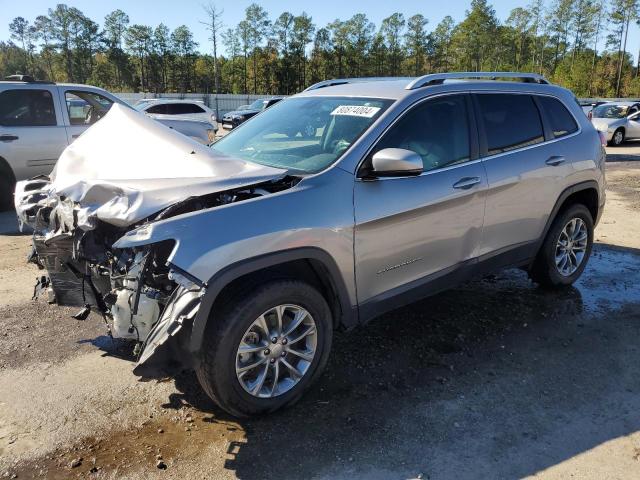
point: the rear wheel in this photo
(566, 249)
(265, 348)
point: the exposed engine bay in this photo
(98, 192)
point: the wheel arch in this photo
(312, 264)
(586, 193)
(6, 168)
(6, 171)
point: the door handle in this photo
(555, 161)
(466, 183)
(75, 136)
(8, 138)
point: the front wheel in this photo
(618, 138)
(565, 250)
(265, 348)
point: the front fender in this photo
(235, 271)
(317, 212)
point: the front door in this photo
(412, 229)
(633, 126)
(83, 109)
(32, 133)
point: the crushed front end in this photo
(134, 290)
(101, 191)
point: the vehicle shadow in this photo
(623, 153)
(622, 157)
(494, 379)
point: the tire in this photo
(235, 323)
(6, 193)
(618, 138)
(545, 271)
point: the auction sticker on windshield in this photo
(356, 111)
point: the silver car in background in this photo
(619, 121)
(241, 260)
(165, 108)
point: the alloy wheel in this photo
(276, 351)
(571, 246)
(618, 137)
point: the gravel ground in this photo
(495, 379)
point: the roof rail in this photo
(439, 78)
(344, 81)
(24, 78)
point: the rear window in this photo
(175, 108)
(183, 108)
(561, 121)
(510, 122)
(27, 108)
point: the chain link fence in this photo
(221, 103)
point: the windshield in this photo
(610, 111)
(305, 134)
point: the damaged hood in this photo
(128, 166)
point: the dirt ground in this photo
(495, 379)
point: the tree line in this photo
(581, 44)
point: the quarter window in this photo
(561, 121)
(437, 130)
(27, 108)
(510, 122)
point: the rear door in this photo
(409, 230)
(32, 132)
(527, 164)
(633, 125)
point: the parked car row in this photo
(234, 118)
(38, 120)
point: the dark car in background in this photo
(236, 117)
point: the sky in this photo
(188, 12)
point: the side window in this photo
(27, 108)
(86, 108)
(437, 130)
(510, 121)
(191, 108)
(174, 108)
(562, 122)
(183, 108)
(160, 109)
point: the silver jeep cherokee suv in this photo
(242, 261)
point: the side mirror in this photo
(396, 162)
